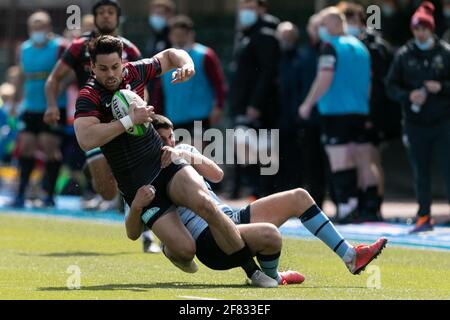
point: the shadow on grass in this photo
(142, 287)
(76, 254)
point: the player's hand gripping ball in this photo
(120, 105)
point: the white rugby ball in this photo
(120, 104)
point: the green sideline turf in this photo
(36, 253)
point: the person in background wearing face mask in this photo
(161, 11)
(254, 89)
(341, 91)
(385, 115)
(38, 56)
(301, 153)
(202, 98)
(290, 83)
(419, 79)
(314, 161)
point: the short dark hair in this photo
(100, 3)
(181, 21)
(105, 45)
(351, 9)
(169, 5)
(161, 122)
(261, 3)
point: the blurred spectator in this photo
(161, 11)
(203, 97)
(38, 56)
(341, 89)
(301, 153)
(291, 167)
(384, 114)
(419, 80)
(87, 23)
(254, 91)
(314, 159)
(394, 22)
(8, 121)
(269, 20)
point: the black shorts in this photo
(34, 123)
(209, 253)
(346, 129)
(73, 156)
(161, 203)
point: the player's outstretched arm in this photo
(133, 222)
(176, 59)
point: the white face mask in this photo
(158, 23)
(247, 17)
(427, 45)
(353, 30)
(38, 37)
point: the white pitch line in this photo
(196, 298)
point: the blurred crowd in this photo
(337, 99)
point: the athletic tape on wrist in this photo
(127, 122)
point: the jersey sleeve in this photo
(71, 54)
(147, 69)
(133, 53)
(327, 58)
(87, 104)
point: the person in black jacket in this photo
(419, 79)
(385, 115)
(254, 90)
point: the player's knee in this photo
(271, 236)
(184, 251)
(302, 198)
(205, 207)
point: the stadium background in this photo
(214, 23)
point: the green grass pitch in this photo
(36, 253)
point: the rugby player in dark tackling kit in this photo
(136, 160)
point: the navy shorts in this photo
(33, 122)
(337, 130)
(161, 203)
(209, 253)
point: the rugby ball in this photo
(120, 104)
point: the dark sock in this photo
(269, 265)
(26, 167)
(52, 172)
(248, 263)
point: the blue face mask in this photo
(247, 17)
(38, 37)
(427, 45)
(324, 35)
(158, 23)
(353, 30)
